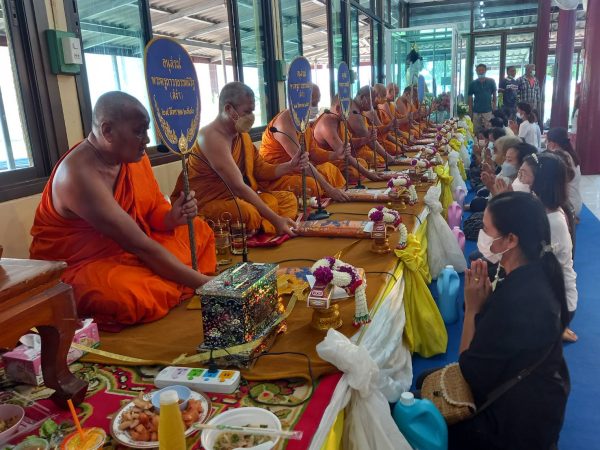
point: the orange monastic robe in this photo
(340, 163)
(111, 285)
(403, 127)
(214, 198)
(272, 151)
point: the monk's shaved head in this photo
(235, 93)
(116, 107)
(380, 90)
(316, 95)
(364, 91)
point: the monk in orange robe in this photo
(102, 212)
(402, 118)
(364, 137)
(387, 131)
(225, 153)
(329, 133)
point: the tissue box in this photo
(240, 305)
(24, 363)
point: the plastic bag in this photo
(442, 246)
(457, 179)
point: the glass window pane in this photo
(252, 40)
(315, 46)
(290, 29)
(367, 4)
(504, 14)
(519, 49)
(440, 13)
(214, 73)
(337, 27)
(487, 51)
(15, 149)
(354, 63)
(113, 49)
(395, 13)
(364, 38)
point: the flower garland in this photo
(389, 216)
(413, 198)
(403, 241)
(422, 163)
(399, 181)
(334, 271)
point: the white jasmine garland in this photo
(403, 241)
(412, 193)
(345, 276)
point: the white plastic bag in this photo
(457, 180)
(442, 247)
(369, 424)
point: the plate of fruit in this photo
(136, 424)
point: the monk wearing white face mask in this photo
(225, 147)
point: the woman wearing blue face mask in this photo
(513, 328)
(528, 130)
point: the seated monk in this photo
(329, 133)
(102, 212)
(403, 121)
(387, 132)
(366, 144)
(225, 150)
(279, 147)
(405, 107)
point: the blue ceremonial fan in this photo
(344, 83)
(173, 92)
(299, 86)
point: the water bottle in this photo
(454, 215)
(170, 424)
(421, 423)
(448, 285)
(460, 237)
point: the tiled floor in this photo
(590, 192)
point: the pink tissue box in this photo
(24, 364)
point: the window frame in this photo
(26, 23)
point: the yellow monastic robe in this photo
(214, 199)
(273, 152)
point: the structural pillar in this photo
(565, 45)
(588, 131)
(541, 48)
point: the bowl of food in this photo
(241, 417)
(10, 418)
(183, 393)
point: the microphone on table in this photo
(359, 184)
(163, 149)
(320, 213)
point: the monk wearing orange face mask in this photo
(102, 212)
(225, 148)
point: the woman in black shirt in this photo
(510, 328)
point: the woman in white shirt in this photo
(558, 142)
(529, 130)
(546, 176)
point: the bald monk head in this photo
(364, 98)
(379, 93)
(236, 106)
(392, 91)
(120, 125)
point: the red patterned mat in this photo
(110, 387)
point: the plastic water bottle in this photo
(454, 215)
(460, 237)
(421, 423)
(171, 434)
(448, 285)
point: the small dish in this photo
(241, 417)
(183, 393)
(15, 414)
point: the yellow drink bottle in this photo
(171, 434)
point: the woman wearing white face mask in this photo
(529, 130)
(515, 327)
(546, 175)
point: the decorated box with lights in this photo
(240, 305)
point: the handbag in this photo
(448, 390)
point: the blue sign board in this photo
(299, 92)
(173, 93)
(344, 83)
